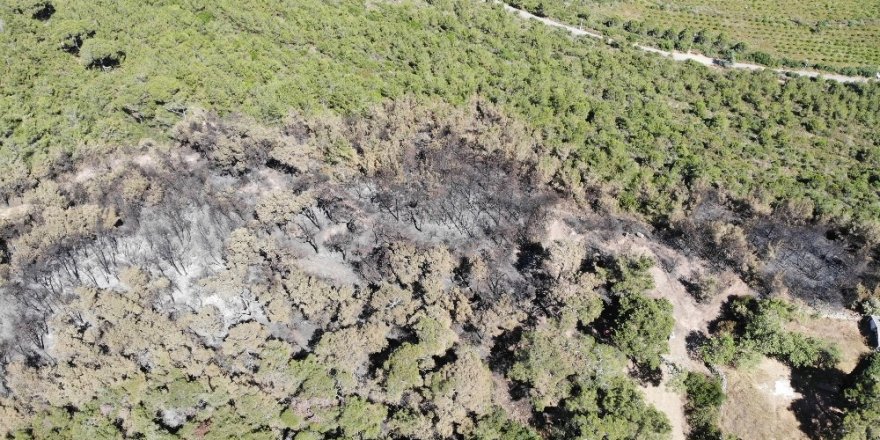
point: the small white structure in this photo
(874, 325)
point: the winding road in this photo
(683, 56)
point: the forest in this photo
(648, 130)
(318, 298)
(390, 276)
(421, 220)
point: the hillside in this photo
(423, 220)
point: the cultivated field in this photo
(836, 34)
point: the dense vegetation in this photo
(756, 327)
(862, 420)
(341, 219)
(327, 278)
(300, 282)
(647, 132)
(842, 36)
(705, 396)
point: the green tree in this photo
(98, 53)
(497, 426)
(862, 419)
(550, 358)
(361, 419)
(612, 410)
(704, 399)
(642, 328)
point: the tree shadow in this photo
(693, 341)
(602, 328)
(726, 319)
(647, 375)
(501, 355)
(43, 11)
(818, 411)
(691, 287)
(530, 256)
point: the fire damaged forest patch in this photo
(409, 274)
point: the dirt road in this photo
(683, 56)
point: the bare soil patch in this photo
(672, 404)
(758, 403)
(14, 212)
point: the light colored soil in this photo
(690, 316)
(8, 313)
(672, 404)
(518, 410)
(13, 212)
(85, 174)
(844, 333)
(758, 401)
(147, 160)
(328, 266)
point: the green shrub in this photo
(362, 419)
(761, 331)
(704, 399)
(630, 275)
(642, 328)
(725, 349)
(71, 34)
(862, 417)
(100, 53)
(703, 287)
(763, 58)
(497, 426)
